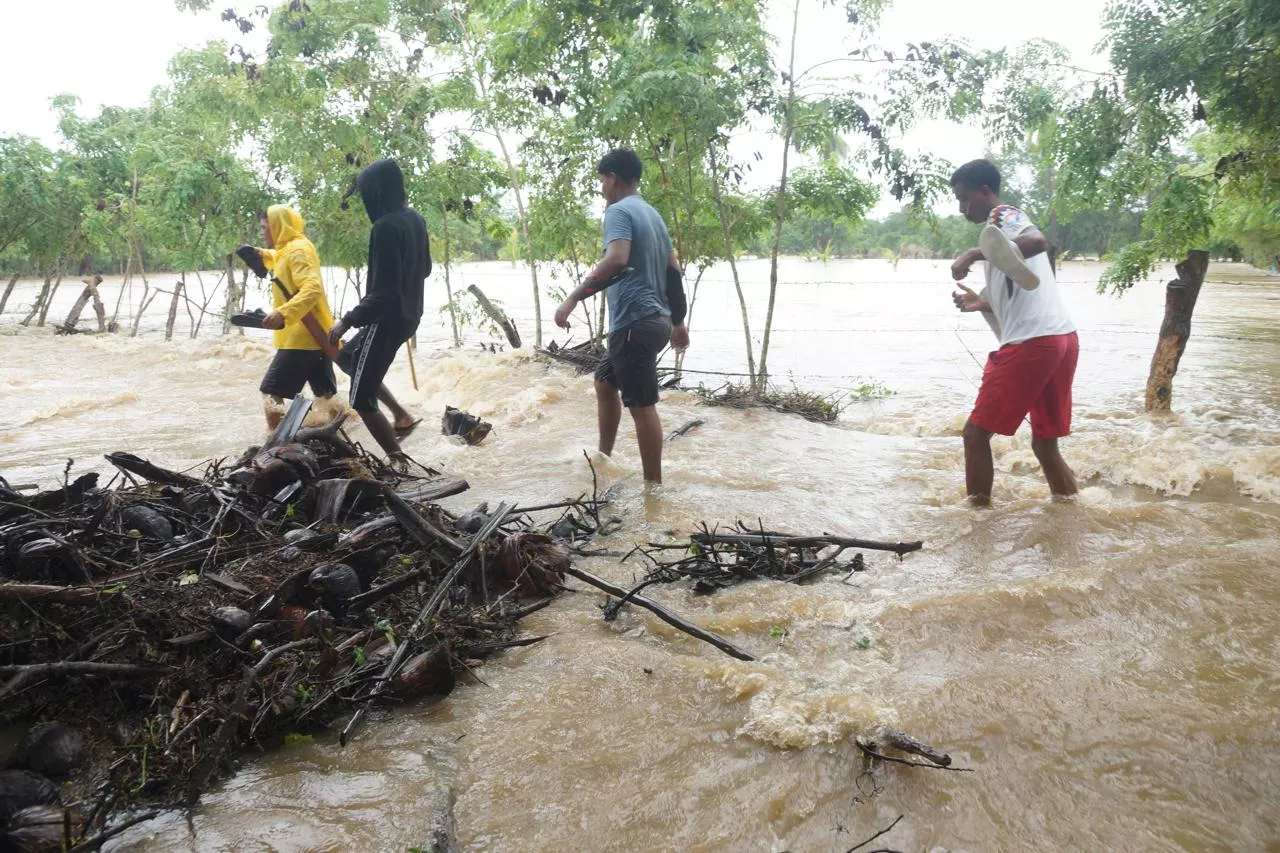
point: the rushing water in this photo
(1110, 667)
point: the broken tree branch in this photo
(663, 613)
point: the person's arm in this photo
(605, 273)
(1017, 227)
(382, 288)
(617, 252)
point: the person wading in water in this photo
(647, 308)
(388, 315)
(299, 359)
(1034, 367)
(301, 318)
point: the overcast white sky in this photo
(115, 51)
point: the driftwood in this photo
(782, 540)
(662, 613)
(497, 316)
(714, 560)
(147, 471)
(48, 593)
(684, 429)
(1179, 304)
(583, 358)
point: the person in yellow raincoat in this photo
(299, 360)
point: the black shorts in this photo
(632, 363)
(367, 358)
(293, 368)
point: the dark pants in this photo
(632, 363)
(293, 368)
(367, 358)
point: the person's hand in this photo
(335, 334)
(274, 320)
(680, 337)
(563, 312)
(967, 300)
(960, 268)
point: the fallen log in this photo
(497, 316)
(419, 528)
(147, 471)
(663, 613)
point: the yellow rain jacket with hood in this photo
(294, 261)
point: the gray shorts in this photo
(632, 363)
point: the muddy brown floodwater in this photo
(1110, 667)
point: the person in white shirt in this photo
(1034, 367)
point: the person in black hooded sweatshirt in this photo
(388, 315)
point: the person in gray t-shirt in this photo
(642, 275)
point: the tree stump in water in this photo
(1179, 303)
(173, 311)
(90, 292)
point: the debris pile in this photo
(714, 559)
(154, 627)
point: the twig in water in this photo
(884, 831)
(105, 836)
(595, 491)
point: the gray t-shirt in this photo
(643, 291)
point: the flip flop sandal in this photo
(1002, 252)
(403, 433)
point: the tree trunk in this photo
(4, 300)
(173, 311)
(448, 286)
(495, 314)
(731, 257)
(524, 235)
(40, 300)
(124, 286)
(44, 305)
(231, 297)
(90, 292)
(762, 378)
(520, 212)
(1180, 297)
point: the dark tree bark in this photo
(1179, 303)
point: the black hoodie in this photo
(399, 254)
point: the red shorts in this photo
(1033, 376)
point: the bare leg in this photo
(649, 437)
(380, 428)
(398, 412)
(1061, 479)
(979, 470)
(608, 415)
(274, 410)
